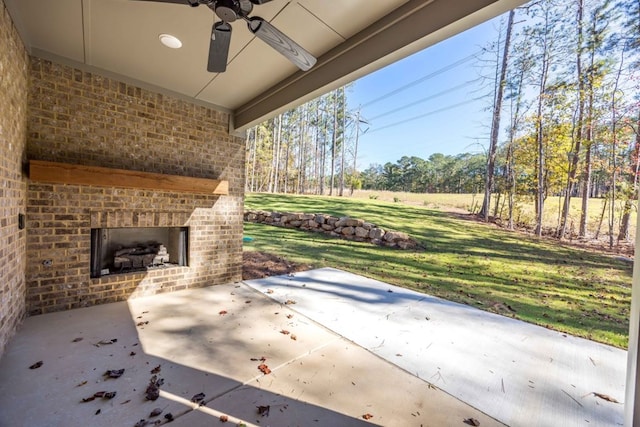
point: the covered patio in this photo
(86, 85)
(322, 347)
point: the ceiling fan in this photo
(232, 10)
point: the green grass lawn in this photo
(538, 281)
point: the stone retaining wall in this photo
(344, 227)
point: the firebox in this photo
(131, 249)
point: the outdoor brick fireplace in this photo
(169, 147)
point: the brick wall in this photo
(13, 126)
(82, 118)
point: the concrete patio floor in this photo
(339, 346)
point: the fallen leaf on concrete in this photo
(263, 410)
(153, 389)
(264, 369)
(106, 342)
(248, 302)
(472, 422)
(605, 397)
(114, 373)
(36, 365)
(100, 394)
(77, 339)
(293, 337)
(289, 302)
(367, 416)
(285, 332)
(156, 370)
(222, 312)
(155, 412)
(224, 418)
(198, 398)
(105, 394)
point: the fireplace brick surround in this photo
(81, 118)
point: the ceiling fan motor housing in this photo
(228, 10)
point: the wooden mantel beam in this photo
(64, 173)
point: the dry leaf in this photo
(605, 397)
(264, 369)
(263, 410)
(224, 418)
(106, 342)
(155, 412)
(36, 365)
(198, 398)
(222, 312)
(101, 394)
(285, 332)
(142, 323)
(293, 337)
(153, 389)
(472, 422)
(367, 416)
(114, 373)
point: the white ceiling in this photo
(120, 38)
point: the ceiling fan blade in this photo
(280, 42)
(219, 47)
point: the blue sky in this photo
(463, 126)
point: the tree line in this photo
(565, 122)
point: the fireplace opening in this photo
(125, 250)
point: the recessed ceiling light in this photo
(170, 41)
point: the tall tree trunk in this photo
(578, 125)
(614, 143)
(626, 217)
(342, 148)
(495, 122)
(255, 155)
(276, 161)
(333, 142)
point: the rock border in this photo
(344, 227)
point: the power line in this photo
(421, 100)
(420, 80)
(410, 119)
